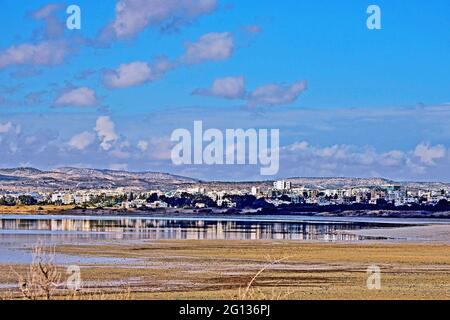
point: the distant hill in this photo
(340, 182)
(31, 179)
(19, 179)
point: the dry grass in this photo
(242, 270)
(35, 209)
(224, 269)
(95, 294)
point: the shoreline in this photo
(410, 234)
(74, 211)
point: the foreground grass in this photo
(223, 269)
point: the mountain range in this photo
(31, 179)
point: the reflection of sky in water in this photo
(135, 228)
(21, 254)
(18, 234)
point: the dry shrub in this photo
(251, 292)
(42, 278)
(43, 282)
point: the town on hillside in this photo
(282, 194)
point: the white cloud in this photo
(142, 145)
(156, 148)
(6, 127)
(266, 95)
(392, 158)
(135, 73)
(134, 16)
(303, 159)
(79, 97)
(105, 129)
(211, 46)
(428, 154)
(229, 88)
(127, 75)
(43, 53)
(298, 146)
(82, 140)
(276, 94)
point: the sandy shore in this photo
(433, 233)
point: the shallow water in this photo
(95, 229)
(19, 233)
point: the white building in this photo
(282, 185)
(256, 191)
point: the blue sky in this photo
(349, 101)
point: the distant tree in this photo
(179, 202)
(442, 205)
(27, 200)
(7, 202)
(262, 204)
(203, 199)
(153, 197)
(285, 197)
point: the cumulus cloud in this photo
(276, 94)
(134, 16)
(392, 158)
(82, 140)
(156, 149)
(428, 154)
(79, 97)
(47, 53)
(135, 73)
(105, 129)
(352, 160)
(47, 48)
(266, 95)
(229, 88)
(127, 75)
(211, 46)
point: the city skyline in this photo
(348, 101)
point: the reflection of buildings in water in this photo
(133, 228)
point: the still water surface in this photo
(185, 228)
(18, 233)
